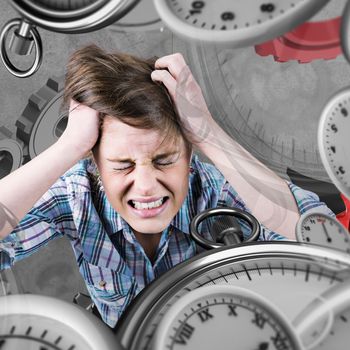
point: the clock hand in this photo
(329, 239)
(263, 346)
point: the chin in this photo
(149, 227)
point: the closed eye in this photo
(124, 167)
(163, 162)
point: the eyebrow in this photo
(129, 160)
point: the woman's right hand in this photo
(82, 129)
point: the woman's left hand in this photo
(187, 96)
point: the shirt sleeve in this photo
(49, 218)
(306, 201)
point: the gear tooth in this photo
(56, 83)
(4, 131)
(306, 43)
(34, 112)
(37, 101)
(24, 128)
(304, 61)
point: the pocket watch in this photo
(291, 276)
(66, 16)
(237, 23)
(226, 313)
(253, 295)
(30, 321)
(72, 16)
(322, 229)
(333, 140)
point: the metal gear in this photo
(11, 152)
(306, 43)
(42, 123)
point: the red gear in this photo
(344, 217)
(308, 42)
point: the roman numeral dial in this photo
(224, 315)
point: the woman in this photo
(127, 207)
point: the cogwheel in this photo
(306, 43)
(41, 123)
(11, 152)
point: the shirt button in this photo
(102, 283)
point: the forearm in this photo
(264, 192)
(267, 195)
(21, 189)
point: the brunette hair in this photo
(120, 85)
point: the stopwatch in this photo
(69, 16)
(333, 140)
(73, 16)
(319, 228)
(291, 276)
(228, 313)
(36, 322)
(239, 23)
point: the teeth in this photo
(150, 205)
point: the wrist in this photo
(209, 136)
(76, 150)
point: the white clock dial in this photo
(333, 140)
(290, 275)
(318, 228)
(226, 315)
(35, 322)
(239, 23)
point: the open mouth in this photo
(147, 206)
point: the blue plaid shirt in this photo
(110, 259)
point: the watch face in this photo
(291, 276)
(318, 228)
(33, 332)
(333, 140)
(272, 109)
(226, 315)
(36, 322)
(235, 22)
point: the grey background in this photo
(283, 102)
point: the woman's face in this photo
(145, 182)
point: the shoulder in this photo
(79, 177)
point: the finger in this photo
(167, 79)
(175, 63)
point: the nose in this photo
(145, 181)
